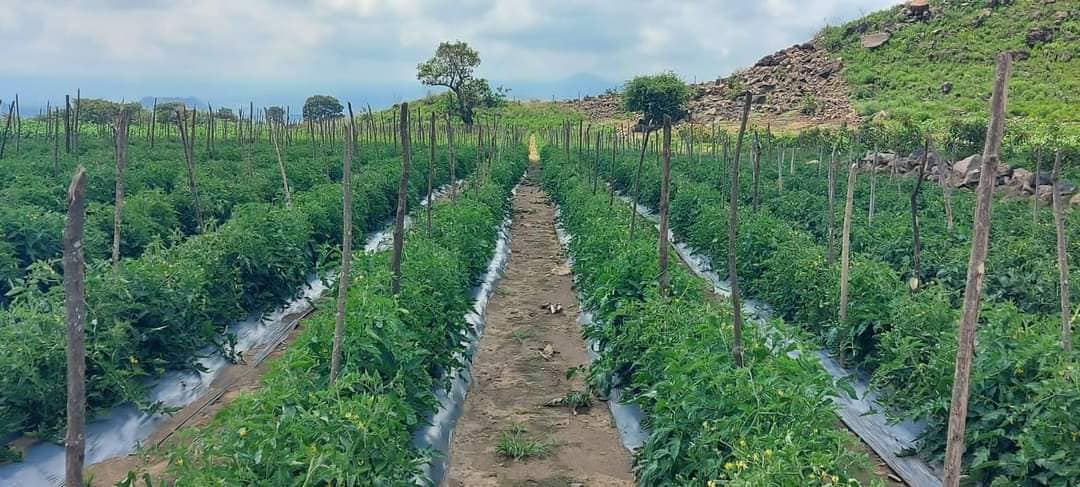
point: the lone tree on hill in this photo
(452, 67)
(322, 107)
(276, 114)
(657, 96)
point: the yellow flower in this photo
(133, 360)
(742, 443)
(711, 483)
(729, 466)
(741, 464)
(180, 461)
(242, 432)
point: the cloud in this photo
(318, 43)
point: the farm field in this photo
(844, 263)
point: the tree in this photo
(276, 114)
(452, 67)
(102, 112)
(322, 107)
(657, 96)
(225, 114)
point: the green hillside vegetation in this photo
(906, 76)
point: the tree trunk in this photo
(637, 181)
(75, 311)
(121, 161)
(281, 168)
(403, 189)
(845, 243)
(1063, 261)
(954, 449)
(346, 252)
(665, 188)
(189, 157)
(916, 243)
(733, 225)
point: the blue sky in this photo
(279, 51)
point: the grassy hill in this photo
(941, 66)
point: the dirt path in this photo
(522, 365)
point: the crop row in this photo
(1021, 421)
(768, 423)
(298, 429)
(158, 203)
(158, 311)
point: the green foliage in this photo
(957, 45)
(769, 423)
(656, 97)
(453, 66)
(276, 114)
(322, 107)
(517, 445)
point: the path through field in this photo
(522, 365)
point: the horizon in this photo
(366, 51)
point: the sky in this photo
(366, 51)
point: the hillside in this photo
(918, 61)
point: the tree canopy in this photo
(657, 96)
(453, 67)
(103, 112)
(322, 107)
(276, 114)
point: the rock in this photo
(1075, 201)
(1038, 35)
(758, 99)
(876, 39)
(1061, 16)
(1065, 56)
(829, 69)
(1044, 193)
(997, 3)
(1020, 54)
(1022, 177)
(965, 166)
(770, 60)
(946, 87)
(1044, 177)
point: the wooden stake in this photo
(733, 223)
(954, 449)
(281, 167)
(431, 174)
(450, 154)
(1063, 260)
(120, 144)
(830, 253)
(845, 243)
(637, 180)
(346, 251)
(755, 156)
(403, 189)
(665, 183)
(189, 157)
(75, 311)
(916, 240)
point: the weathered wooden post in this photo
(637, 179)
(75, 312)
(916, 240)
(954, 448)
(845, 243)
(120, 143)
(346, 250)
(733, 224)
(1062, 256)
(403, 190)
(665, 184)
(189, 157)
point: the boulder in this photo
(829, 69)
(964, 166)
(771, 59)
(1075, 201)
(1022, 178)
(946, 87)
(873, 40)
(1020, 54)
(1038, 35)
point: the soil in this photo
(522, 365)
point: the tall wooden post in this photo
(665, 183)
(75, 311)
(281, 167)
(120, 143)
(189, 157)
(830, 252)
(954, 449)
(755, 155)
(733, 224)
(845, 243)
(431, 174)
(916, 240)
(450, 155)
(346, 250)
(403, 189)
(1062, 255)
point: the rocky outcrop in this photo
(802, 82)
(965, 173)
